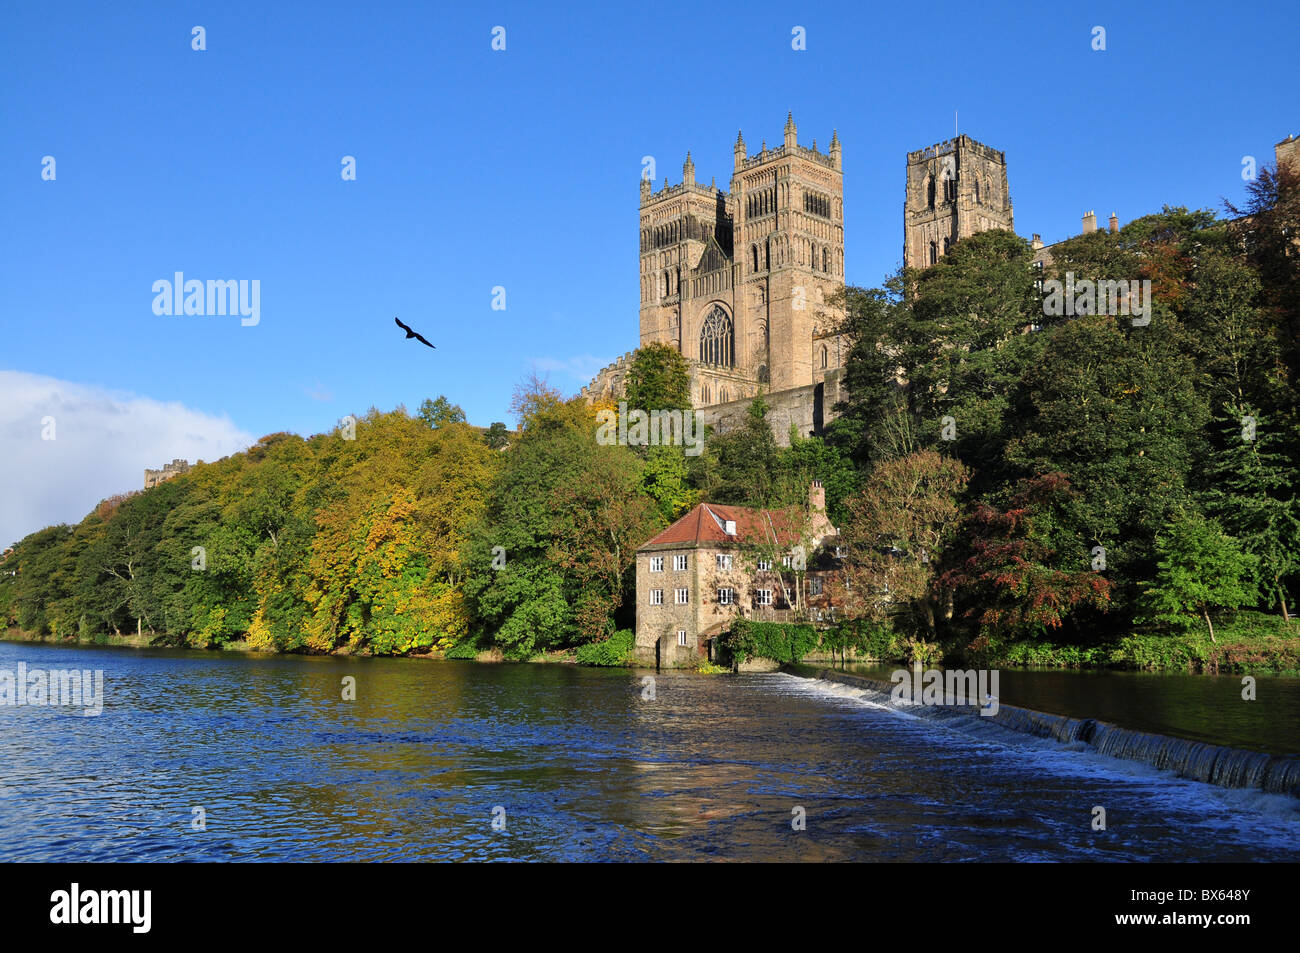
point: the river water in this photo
(574, 764)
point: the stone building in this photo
(719, 562)
(153, 477)
(954, 190)
(737, 281)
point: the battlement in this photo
(666, 191)
(770, 155)
(964, 142)
(153, 477)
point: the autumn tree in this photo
(898, 528)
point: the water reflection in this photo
(585, 768)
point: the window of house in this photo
(764, 597)
(726, 597)
(683, 596)
(656, 564)
(724, 560)
(815, 585)
(656, 597)
(679, 563)
(764, 565)
(681, 636)
(785, 561)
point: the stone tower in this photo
(954, 189)
(736, 281)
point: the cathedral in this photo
(739, 281)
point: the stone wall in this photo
(809, 408)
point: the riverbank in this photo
(1253, 643)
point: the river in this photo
(580, 762)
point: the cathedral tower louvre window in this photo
(717, 338)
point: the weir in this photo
(1212, 764)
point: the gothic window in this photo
(950, 190)
(826, 260)
(754, 249)
(977, 191)
(934, 253)
(722, 396)
(717, 338)
(767, 254)
(946, 245)
(929, 190)
(825, 356)
(762, 373)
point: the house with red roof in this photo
(719, 562)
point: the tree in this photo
(496, 436)
(1199, 569)
(898, 527)
(657, 379)
(740, 467)
(1025, 569)
(435, 413)
(1117, 411)
(1251, 492)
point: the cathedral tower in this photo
(954, 189)
(735, 281)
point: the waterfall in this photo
(1213, 764)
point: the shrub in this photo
(465, 649)
(611, 652)
(778, 641)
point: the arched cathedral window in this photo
(946, 245)
(826, 260)
(977, 191)
(718, 338)
(754, 249)
(929, 190)
(934, 253)
(825, 356)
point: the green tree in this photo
(496, 436)
(1251, 492)
(1199, 569)
(435, 413)
(657, 379)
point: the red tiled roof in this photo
(704, 524)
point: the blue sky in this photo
(519, 169)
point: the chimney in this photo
(817, 496)
(1114, 223)
(1090, 223)
(729, 527)
(1037, 242)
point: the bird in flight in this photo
(412, 334)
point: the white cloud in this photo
(581, 368)
(103, 441)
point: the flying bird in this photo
(412, 334)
